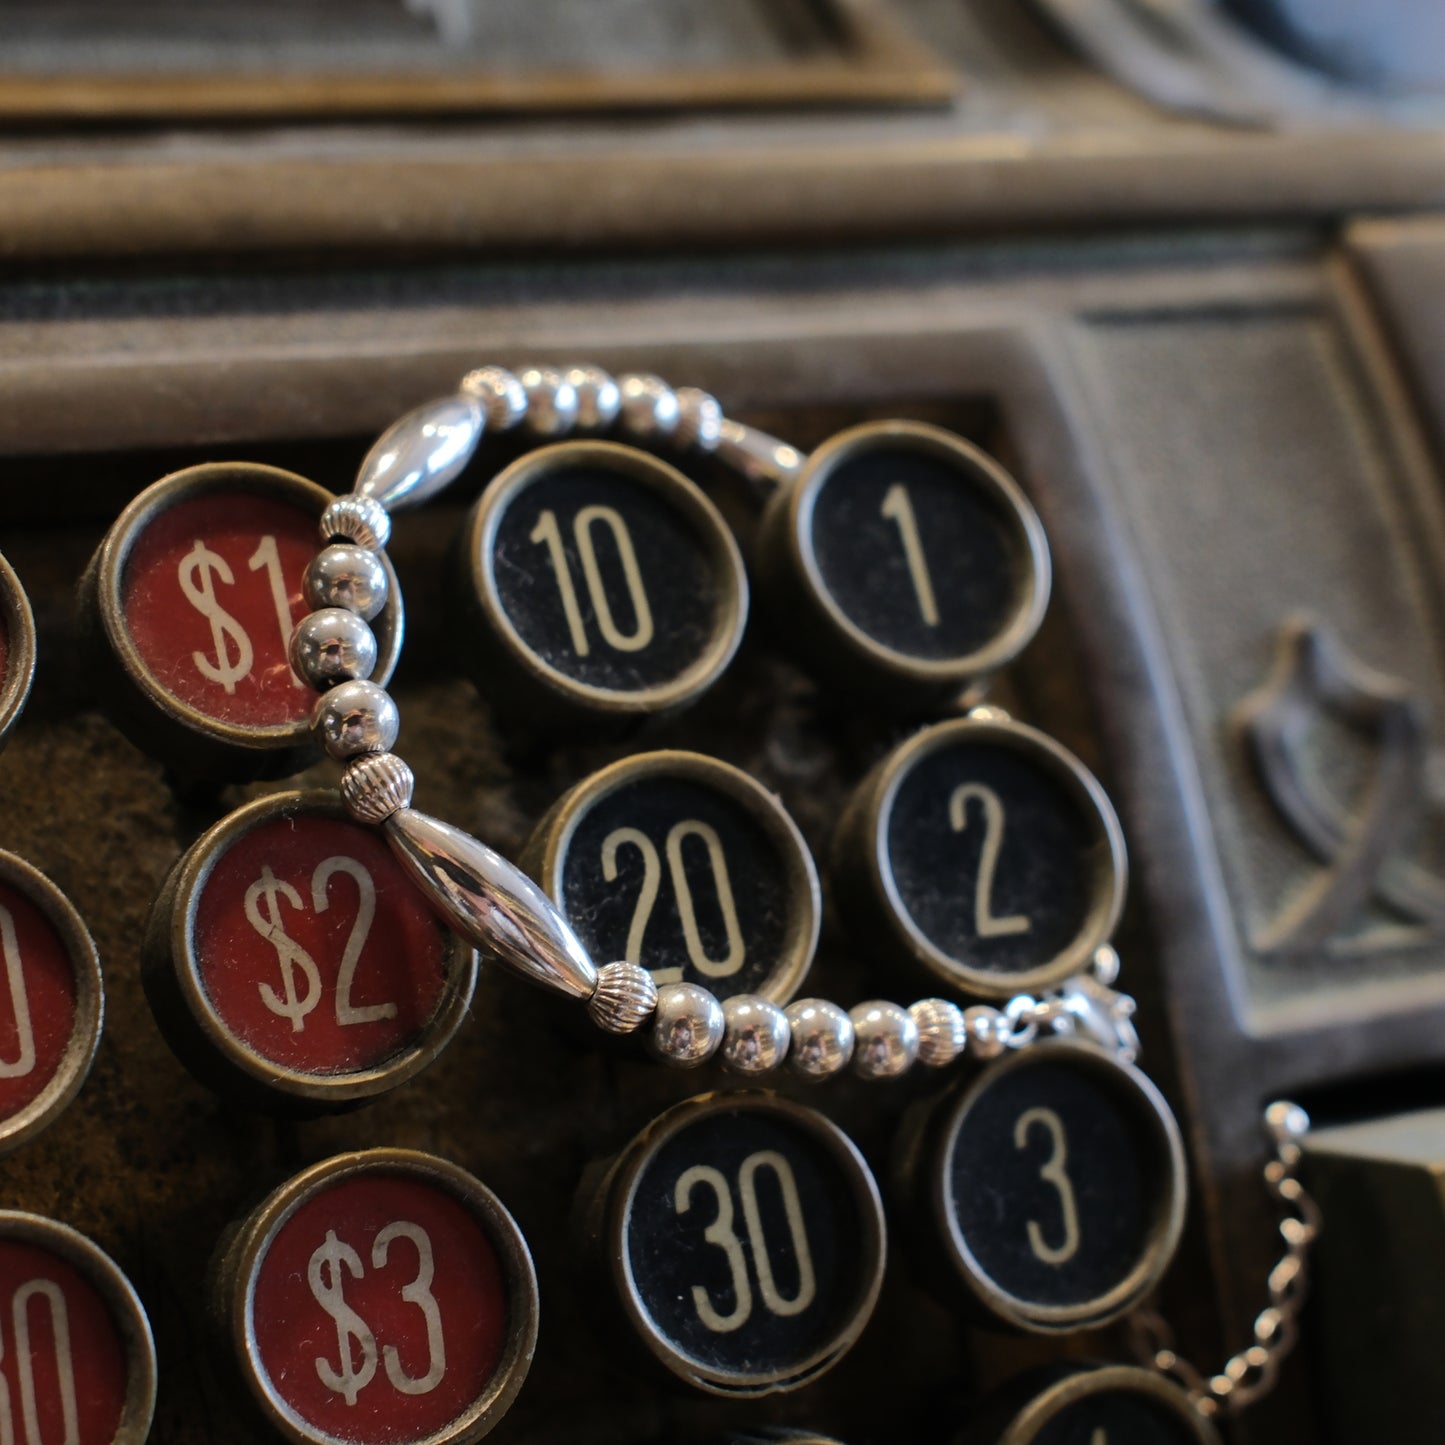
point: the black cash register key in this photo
(187, 611)
(600, 584)
(745, 1239)
(685, 865)
(1054, 1183)
(1084, 1405)
(987, 853)
(905, 563)
(17, 649)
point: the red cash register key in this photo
(315, 949)
(50, 1002)
(211, 592)
(78, 1363)
(394, 1302)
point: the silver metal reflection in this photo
(415, 457)
(491, 903)
(762, 459)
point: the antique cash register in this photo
(720, 722)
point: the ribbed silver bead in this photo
(355, 717)
(376, 785)
(499, 392)
(756, 1034)
(988, 1031)
(699, 419)
(886, 1040)
(356, 519)
(624, 998)
(551, 401)
(598, 397)
(649, 407)
(331, 646)
(942, 1034)
(822, 1038)
(687, 1025)
(346, 575)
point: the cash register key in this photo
(598, 586)
(986, 853)
(187, 611)
(79, 1364)
(688, 866)
(17, 649)
(1090, 1405)
(904, 564)
(744, 1237)
(384, 1297)
(1054, 1186)
(293, 966)
(50, 1018)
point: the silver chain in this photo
(1254, 1370)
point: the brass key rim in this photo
(19, 623)
(655, 475)
(235, 1275)
(1054, 1399)
(181, 897)
(109, 569)
(1168, 1191)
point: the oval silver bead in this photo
(822, 1041)
(942, 1031)
(756, 1034)
(415, 457)
(886, 1040)
(625, 998)
(687, 1025)
(491, 903)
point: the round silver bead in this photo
(355, 717)
(349, 576)
(687, 1025)
(699, 419)
(756, 1034)
(551, 401)
(988, 1031)
(332, 645)
(649, 407)
(624, 998)
(599, 398)
(499, 392)
(887, 1040)
(822, 1038)
(376, 785)
(942, 1034)
(362, 520)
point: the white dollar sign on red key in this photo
(266, 892)
(194, 575)
(330, 1294)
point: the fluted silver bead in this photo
(699, 419)
(649, 407)
(355, 717)
(551, 401)
(988, 1031)
(942, 1034)
(346, 575)
(886, 1040)
(822, 1038)
(756, 1034)
(500, 394)
(687, 1025)
(599, 398)
(624, 998)
(421, 453)
(332, 646)
(376, 785)
(356, 519)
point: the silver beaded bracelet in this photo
(492, 903)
